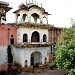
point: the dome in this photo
(22, 6)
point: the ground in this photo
(46, 72)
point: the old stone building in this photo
(31, 38)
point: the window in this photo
(44, 38)
(25, 38)
(11, 40)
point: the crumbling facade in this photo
(31, 41)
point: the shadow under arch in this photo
(35, 37)
(36, 58)
(35, 17)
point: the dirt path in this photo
(47, 72)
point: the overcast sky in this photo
(62, 10)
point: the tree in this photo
(65, 55)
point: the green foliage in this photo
(52, 65)
(65, 58)
(71, 72)
(65, 55)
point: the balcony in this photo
(34, 25)
(32, 44)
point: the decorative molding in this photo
(32, 45)
(34, 25)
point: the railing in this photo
(33, 23)
(22, 43)
(33, 44)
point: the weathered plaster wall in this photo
(22, 54)
(29, 31)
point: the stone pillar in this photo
(29, 38)
(41, 20)
(35, 19)
(16, 18)
(29, 18)
(47, 20)
(21, 20)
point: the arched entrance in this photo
(36, 58)
(35, 37)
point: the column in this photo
(47, 20)
(16, 18)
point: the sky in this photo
(61, 11)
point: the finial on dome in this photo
(35, 1)
(41, 4)
(26, 1)
(32, 1)
(29, 1)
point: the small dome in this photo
(22, 6)
(30, 4)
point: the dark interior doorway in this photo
(32, 61)
(25, 38)
(9, 54)
(12, 41)
(35, 37)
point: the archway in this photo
(34, 17)
(25, 38)
(44, 20)
(44, 38)
(24, 17)
(35, 37)
(36, 59)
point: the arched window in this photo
(35, 37)
(44, 20)
(24, 17)
(35, 18)
(44, 38)
(25, 38)
(12, 40)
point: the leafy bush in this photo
(52, 66)
(71, 72)
(65, 54)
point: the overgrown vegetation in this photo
(52, 65)
(65, 53)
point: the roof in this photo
(29, 6)
(5, 5)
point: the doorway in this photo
(36, 59)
